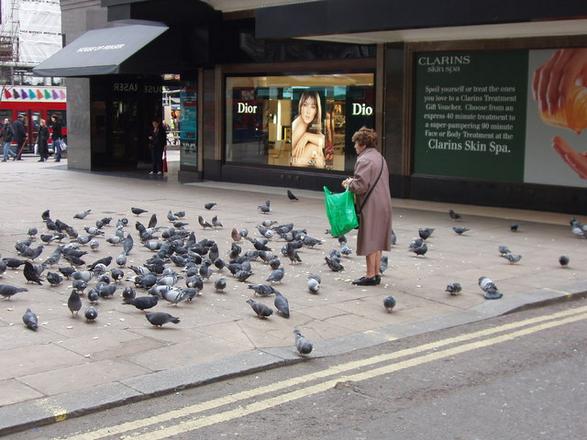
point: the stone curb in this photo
(25, 415)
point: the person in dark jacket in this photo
(157, 142)
(57, 136)
(42, 141)
(7, 136)
(19, 136)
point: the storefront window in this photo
(300, 121)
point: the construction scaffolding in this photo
(30, 32)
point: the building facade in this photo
(474, 103)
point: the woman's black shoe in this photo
(367, 281)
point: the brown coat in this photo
(375, 218)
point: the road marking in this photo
(226, 416)
(330, 371)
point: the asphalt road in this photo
(520, 376)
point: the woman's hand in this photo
(554, 79)
(346, 182)
(577, 161)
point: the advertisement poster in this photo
(502, 116)
(543, 163)
(470, 114)
(188, 127)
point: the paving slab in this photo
(123, 358)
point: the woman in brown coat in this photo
(371, 182)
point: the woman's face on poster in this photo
(309, 110)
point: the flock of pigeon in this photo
(178, 255)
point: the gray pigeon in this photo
(513, 259)
(121, 260)
(2, 267)
(281, 304)
(262, 289)
(242, 275)
(31, 275)
(127, 244)
(489, 288)
(32, 232)
(389, 303)
(91, 314)
(128, 293)
(143, 302)
(216, 223)
(276, 275)
(220, 284)
(74, 303)
(7, 291)
(453, 288)
(94, 244)
(563, 260)
(266, 208)
(158, 319)
(171, 217)
(203, 223)
(54, 278)
(303, 346)
(30, 320)
(452, 214)
(152, 221)
(503, 250)
(260, 309)
(138, 211)
(460, 230)
(210, 205)
(383, 264)
(313, 285)
(425, 233)
(333, 264)
(82, 215)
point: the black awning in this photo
(102, 51)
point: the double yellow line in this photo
(510, 332)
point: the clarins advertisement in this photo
(499, 116)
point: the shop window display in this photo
(303, 121)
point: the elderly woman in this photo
(370, 184)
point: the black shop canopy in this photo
(124, 48)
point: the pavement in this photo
(70, 367)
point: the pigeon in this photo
(281, 304)
(203, 223)
(419, 250)
(276, 275)
(152, 221)
(179, 214)
(30, 320)
(425, 233)
(79, 285)
(91, 314)
(503, 250)
(262, 289)
(66, 271)
(54, 278)
(313, 285)
(389, 303)
(514, 227)
(210, 205)
(103, 222)
(105, 261)
(32, 232)
(82, 215)
(513, 259)
(260, 309)
(117, 274)
(48, 238)
(93, 296)
(393, 239)
(346, 250)
(84, 275)
(243, 275)
(94, 244)
(128, 293)
(383, 263)
(220, 284)
(274, 263)
(453, 288)
(460, 230)
(158, 319)
(235, 235)
(563, 260)
(7, 291)
(452, 214)
(171, 217)
(489, 288)
(33, 253)
(13, 263)
(127, 244)
(143, 302)
(2, 267)
(45, 215)
(121, 260)
(311, 241)
(291, 195)
(106, 290)
(138, 211)
(216, 223)
(74, 303)
(31, 275)
(333, 264)
(266, 208)
(303, 346)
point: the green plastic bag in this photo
(340, 210)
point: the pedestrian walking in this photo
(20, 136)
(7, 136)
(370, 184)
(42, 141)
(157, 142)
(57, 136)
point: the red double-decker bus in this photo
(34, 103)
